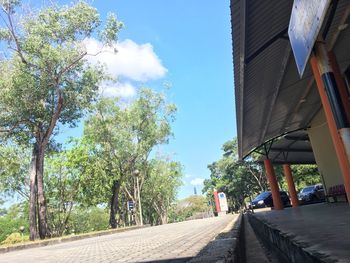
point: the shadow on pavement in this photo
(228, 246)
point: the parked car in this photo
(311, 194)
(265, 200)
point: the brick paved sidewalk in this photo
(168, 242)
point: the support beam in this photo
(217, 202)
(332, 124)
(340, 84)
(291, 150)
(271, 177)
(297, 138)
(291, 187)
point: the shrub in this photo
(14, 238)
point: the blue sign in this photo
(130, 205)
(304, 26)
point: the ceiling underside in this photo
(271, 98)
(292, 148)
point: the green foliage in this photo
(14, 163)
(188, 207)
(46, 80)
(62, 186)
(238, 179)
(49, 62)
(160, 189)
(243, 179)
(14, 238)
(118, 140)
(305, 175)
(113, 26)
(87, 220)
(16, 216)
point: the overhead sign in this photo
(304, 25)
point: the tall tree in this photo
(160, 189)
(45, 80)
(62, 188)
(238, 179)
(117, 141)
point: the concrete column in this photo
(271, 177)
(217, 202)
(291, 186)
(340, 84)
(337, 123)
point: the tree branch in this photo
(128, 193)
(16, 125)
(54, 118)
(70, 66)
(15, 38)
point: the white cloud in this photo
(122, 90)
(131, 61)
(188, 176)
(197, 181)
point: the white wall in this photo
(324, 151)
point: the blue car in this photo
(312, 194)
(265, 200)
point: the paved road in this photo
(161, 243)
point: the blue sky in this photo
(188, 44)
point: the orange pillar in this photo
(271, 177)
(217, 202)
(338, 144)
(340, 83)
(291, 186)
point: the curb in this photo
(227, 246)
(284, 245)
(60, 240)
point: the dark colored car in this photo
(265, 200)
(312, 194)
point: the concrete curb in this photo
(285, 246)
(238, 252)
(227, 246)
(54, 241)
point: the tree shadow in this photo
(227, 246)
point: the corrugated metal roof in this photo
(292, 148)
(271, 99)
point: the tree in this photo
(45, 81)
(13, 219)
(188, 207)
(14, 164)
(160, 189)
(238, 179)
(63, 185)
(118, 140)
(305, 175)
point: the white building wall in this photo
(324, 151)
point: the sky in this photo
(185, 44)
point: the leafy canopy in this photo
(45, 76)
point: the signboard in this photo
(223, 202)
(304, 25)
(130, 205)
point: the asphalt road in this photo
(167, 243)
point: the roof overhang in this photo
(271, 98)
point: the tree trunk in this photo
(42, 209)
(164, 218)
(33, 200)
(114, 204)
